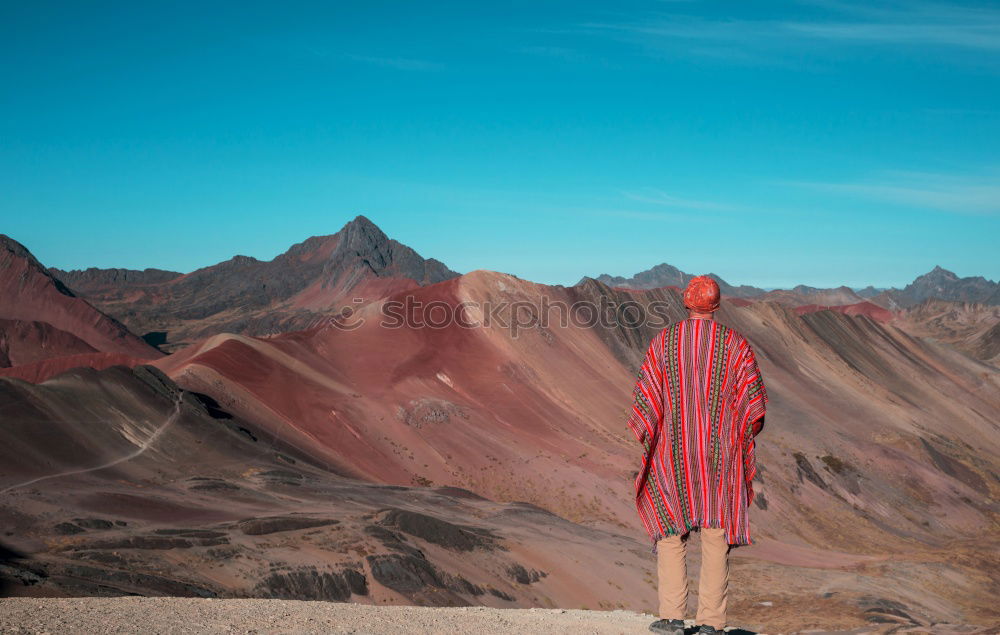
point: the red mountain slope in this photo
(868, 309)
(40, 371)
(23, 342)
(29, 293)
(854, 458)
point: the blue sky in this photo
(817, 142)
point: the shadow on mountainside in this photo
(14, 571)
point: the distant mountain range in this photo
(938, 284)
(144, 313)
(313, 278)
(358, 252)
(664, 275)
(942, 284)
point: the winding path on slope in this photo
(175, 413)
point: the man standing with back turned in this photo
(697, 405)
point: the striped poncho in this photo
(697, 405)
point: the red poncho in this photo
(697, 406)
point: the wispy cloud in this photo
(640, 215)
(659, 197)
(949, 193)
(967, 35)
(909, 23)
(398, 63)
(558, 52)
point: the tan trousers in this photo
(713, 585)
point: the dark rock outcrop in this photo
(275, 524)
(439, 532)
(404, 573)
(68, 529)
(133, 582)
(310, 584)
(805, 469)
(519, 574)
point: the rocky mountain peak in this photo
(362, 245)
(938, 272)
(11, 251)
(945, 285)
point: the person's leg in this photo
(714, 583)
(671, 567)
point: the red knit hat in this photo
(702, 294)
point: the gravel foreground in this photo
(131, 614)
(175, 615)
(200, 615)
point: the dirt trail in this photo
(131, 455)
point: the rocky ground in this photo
(202, 615)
